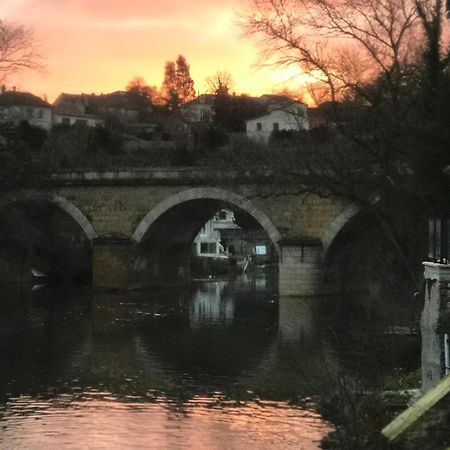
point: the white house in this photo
(207, 241)
(16, 107)
(281, 115)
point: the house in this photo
(64, 117)
(200, 109)
(221, 237)
(207, 242)
(16, 107)
(254, 244)
(283, 113)
(127, 107)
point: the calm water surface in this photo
(210, 367)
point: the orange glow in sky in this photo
(100, 45)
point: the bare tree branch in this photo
(18, 50)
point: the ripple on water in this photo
(102, 420)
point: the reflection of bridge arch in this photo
(207, 194)
(59, 202)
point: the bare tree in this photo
(220, 83)
(371, 58)
(18, 50)
(344, 45)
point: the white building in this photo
(284, 115)
(16, 107)
(207, 241)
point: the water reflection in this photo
(153, 369)
(211, 305)
(105, 421)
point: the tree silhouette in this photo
(382, 63)
(169, 87)
(18, 50)
(149, 94)
(184, 82)
(220, 83)
(178, 86)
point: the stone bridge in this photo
(157, 213)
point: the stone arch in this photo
(337, 225)
(208, 194)
(61, 203)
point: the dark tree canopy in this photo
(149, 94)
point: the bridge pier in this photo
(300, 267)
(112, 257)
(157, 265)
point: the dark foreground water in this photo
(221, 365)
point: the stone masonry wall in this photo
(118, 210)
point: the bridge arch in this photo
(337, 225)
(207, 194)
(165, 235)
(55, 239)
(60, 202)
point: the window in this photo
(276, 126)
(81, 122)
(40, 114)
(222, 215)
(258, 126)
(65, 121)
(29, 112)
(208, 247)
(261, 250)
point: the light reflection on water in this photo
(99, 420)
(157, 369)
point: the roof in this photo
(278, 100)
(116, 100)
(273, 111)
(202, 99)
(13, 98)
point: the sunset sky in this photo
(99, 45)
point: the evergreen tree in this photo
(169, 87)
(184, 82)
(178, 86)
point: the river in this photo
(220, 364)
